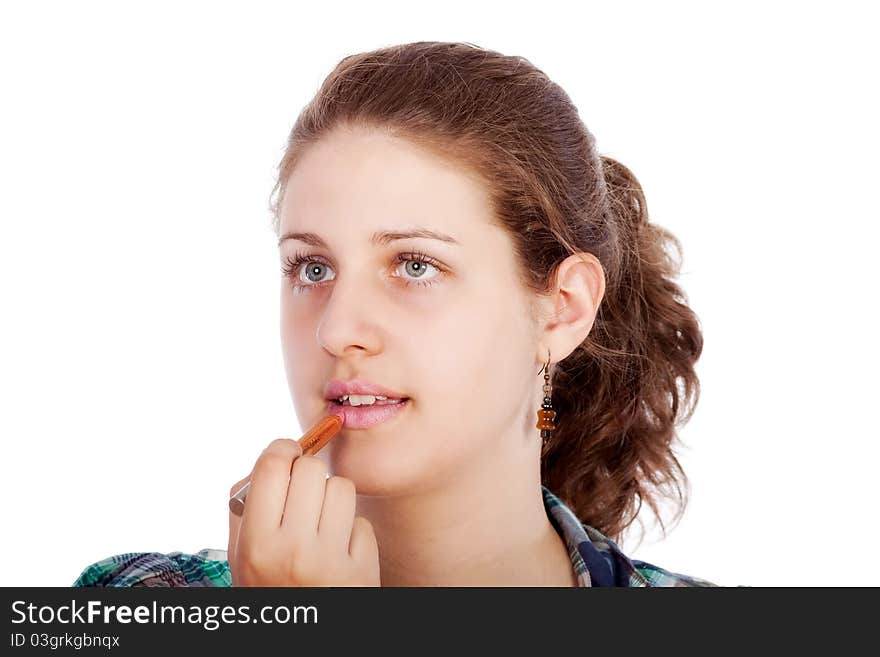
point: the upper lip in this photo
(336, 389)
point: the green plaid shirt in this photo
(596, 560)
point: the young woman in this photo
(450, 240)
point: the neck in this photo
(474, 531)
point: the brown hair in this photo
(617, 396)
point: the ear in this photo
(569, 311)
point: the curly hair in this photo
(621, 392)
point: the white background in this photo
(140, 360)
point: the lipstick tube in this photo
(311, 442)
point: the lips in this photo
(336, 388)
(364, 417)
(378, 402)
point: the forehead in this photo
(370, 178)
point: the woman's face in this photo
(451, 331)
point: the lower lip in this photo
(364, 417)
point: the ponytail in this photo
(623, 391)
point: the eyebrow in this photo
(379, 238)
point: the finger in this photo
(268, 490)
(305, 497)
(363, 547)
(337, 514)
(234, 527)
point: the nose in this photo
(349, 320)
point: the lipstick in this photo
(311, 442)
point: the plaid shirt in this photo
(597, 561)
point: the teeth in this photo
(361, 400)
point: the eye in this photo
(421, 263)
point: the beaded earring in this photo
(546, 414)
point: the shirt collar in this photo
(596, 559)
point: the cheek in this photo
(298, 352)
(467, 361)
(297, 329)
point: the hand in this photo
(298, 527)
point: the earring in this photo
(546, 414)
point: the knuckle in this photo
(258, 564)
(246, 560)
(278, 455)
(285, 446)
(271, 461)
(248, 571)
(301, 564)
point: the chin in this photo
(373, 472)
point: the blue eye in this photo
(292, 267)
